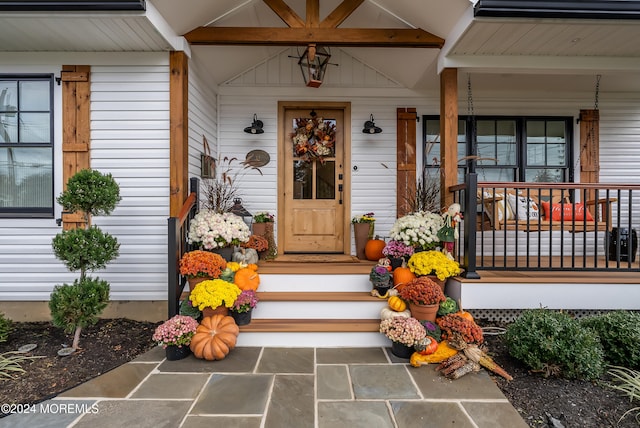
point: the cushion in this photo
(523, 208)
(565, 212)
(502, 208)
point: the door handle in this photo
(340, 190)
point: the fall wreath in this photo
(313, 139)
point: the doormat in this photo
(316, 258)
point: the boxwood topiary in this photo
(556, 344)
(619, 333)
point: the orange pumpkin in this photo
(215, 337)
(247, 279)
(464, 314)
(373, 249)
(401, 276)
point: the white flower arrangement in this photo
(212, 230)
(418, 229)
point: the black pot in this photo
(396, 262)
(401, 350)
(174, 353)
(628, 244)
(241, 318)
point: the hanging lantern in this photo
(313, 64)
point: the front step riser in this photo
(325, 340)
(318, 310)
(309, 283)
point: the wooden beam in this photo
(448, 134)
(357, 37)
(340, 13)
(313, 14)
(288, 15)
(178, 131)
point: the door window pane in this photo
(302, 180)
(325, 180)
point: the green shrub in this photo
(619, 333)
(90, 191)
(5, 327)
(78, 305)
(556, 344)
(85, 249)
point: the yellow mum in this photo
(214, 293)
(433, 263)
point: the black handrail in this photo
(178, 245)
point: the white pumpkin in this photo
(387, 313)
(246, 256)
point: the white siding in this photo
(129, 139)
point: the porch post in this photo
(448, 134)
(590, 149)
(178, 131)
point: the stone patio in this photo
(277, 388)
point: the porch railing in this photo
(571, 243)
(177, 234)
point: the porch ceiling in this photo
(499, 51)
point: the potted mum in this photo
(243, 307)
(404, 334)
(397, 252)
(433, 263)
(218, 231)
(419, 230)
(200, 265)
(214, 296)
(424, 297)
(175, 334)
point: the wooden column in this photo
(590, 149)
(76, 129)
(448, 134)
(406, 159)
(178, 131)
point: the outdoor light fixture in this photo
(313, 64)
(256, 126)
(241, 211)
(370, 127)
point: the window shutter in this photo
(76, 97)
(406, 159)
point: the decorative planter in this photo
(396, 262)
(259, 229)
(195, 281)
(382, 287)
(437, 281)
(401, 350)
(424, 312)
(225, 252)
(220, 310)
(361, 236)
(174, 353)
(241, 318)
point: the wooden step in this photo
(312, 325)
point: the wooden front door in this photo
(313, 201)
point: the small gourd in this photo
(215, 337)
(387, 312)
(426, 346)
(373, 249)
(443, 352)
(396, 304)
(245, 255)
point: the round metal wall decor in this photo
(257, 158)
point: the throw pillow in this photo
(566, 212)
(523, 208)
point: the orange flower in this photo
(200, 263)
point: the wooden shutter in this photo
(76, 129)
(406, 159)
(178, 130)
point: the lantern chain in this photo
(597, 96)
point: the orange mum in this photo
(200, 263)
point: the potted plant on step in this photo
(424, 297)
(175, 334)
(214, 296)
(218, 232)
(381, 279)
(199, 265)
(243, 307)
(363, 228)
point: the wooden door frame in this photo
(283, 135)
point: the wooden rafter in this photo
(370, 37)
(311, 30)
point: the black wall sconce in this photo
(256, 126)
(370, 127)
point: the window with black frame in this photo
(526, 149)
(26, 145)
